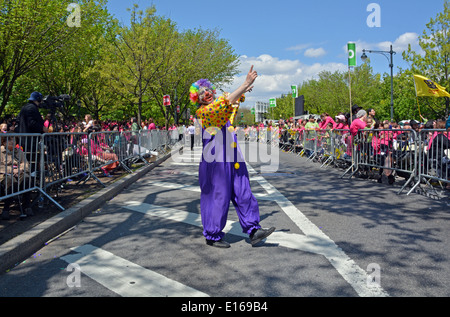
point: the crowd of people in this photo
(31, 121)
(379, 136)
(18, 154)
(360, 119)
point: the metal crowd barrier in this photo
(433, 152)
(36, 162)
(387, 151)
(418, 157)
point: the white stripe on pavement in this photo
(315, 241)
(349, 270)
(289, 240)
(124, 277)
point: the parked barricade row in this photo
(418, 157)
(36, 162)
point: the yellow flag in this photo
(427, 88)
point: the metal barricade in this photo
(36, 162)
(325, 146)
(433, 150)
(387, 150)
(149, 143)
(339, 148)
(309, 141)
(65, 157)
(22, 168)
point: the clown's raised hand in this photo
(251, 77)
(245, 87)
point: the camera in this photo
(53, 102)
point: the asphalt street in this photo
(335, 238)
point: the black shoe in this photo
(5, 214)
(218, 244)
(391, 179)
(260, 234)
(29, 212)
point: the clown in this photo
(223, 175)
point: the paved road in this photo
(335, 237)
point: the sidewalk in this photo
(21, 239)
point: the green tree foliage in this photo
(36, 41)
(114, 71)
(330, 91)
(434, 60)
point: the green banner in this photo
(351, 48)
(294, 91)
(272, 102)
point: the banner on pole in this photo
(294, 91)
(272, 102)
(166, 100)
(351, 48)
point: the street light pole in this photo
(391, 65)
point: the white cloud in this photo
(275, 76)
(399, 45)
(315, 52)
(298, 48)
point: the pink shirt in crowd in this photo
(323, 124)
(356, 125)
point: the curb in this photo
(23, 246)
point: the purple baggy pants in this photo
(222, 181)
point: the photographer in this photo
(30, 119)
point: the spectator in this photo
(371, 114)
(436, 153)
(103, 153)
(151, 125)
(359, 122)
(340, 121)
(311, 124)
(191, 132)
(134, 125)
(13, 174)
(88, 122)
(355, 109)
(325, 120)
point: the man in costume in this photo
(222, 178)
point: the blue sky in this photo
(290, 41)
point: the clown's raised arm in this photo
(245, 87)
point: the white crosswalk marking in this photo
(124, 277)
(314, 240)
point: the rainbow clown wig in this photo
(197, 90)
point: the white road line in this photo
(174, 186)
(124, 277)
(316, 241)
(185, 163)
(349, 270)
(289, 240)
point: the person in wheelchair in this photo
(14, 175)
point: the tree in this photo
(330, 91)
(196, 54)
(36, 33)
(434, 61)
(139, 55)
